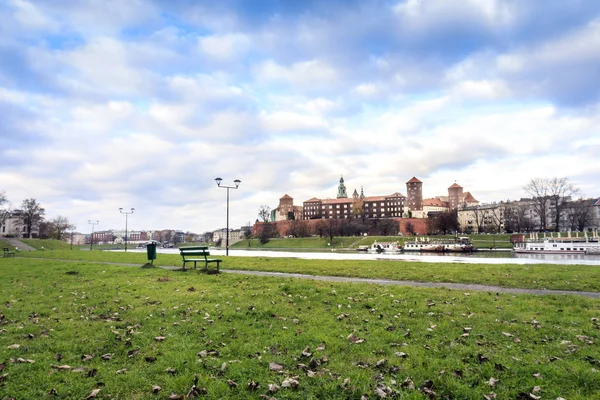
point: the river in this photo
(481, 257)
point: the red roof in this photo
(414, 180)
(469, 198)
(285, 196)
(397, 194)
(434, 203)
(312, 200)
(455, 185)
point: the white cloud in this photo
(312, 72)
(225, 47)
(291, 122)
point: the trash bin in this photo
(151, 251)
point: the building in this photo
(14, 225)
(286, 210)
(235, 235)
(358, 206)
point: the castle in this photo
(394, 205)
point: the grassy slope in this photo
(501, 241)
(537, 276)
(80, 309)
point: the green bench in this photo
(198, 254)
(8, 253)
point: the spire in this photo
(355, 194)
(342, 190)
(362, 193)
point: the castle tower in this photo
(455, 195)
(342, 190)
(414, 194)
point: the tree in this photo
(579, 214)
(561, 191)
(268, 231)
(33, 214)
(445, 222)
(538, 190)
(264, 213)
(410, 228)
(550, 193)
(388, 227)
(4, 209)
(59, 227)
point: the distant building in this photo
(15, 226)
(286, 210)
(386, 206)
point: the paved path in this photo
(447, 285)
(17, 243)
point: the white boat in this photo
(384, 247)
(459, 245)
(557, 245)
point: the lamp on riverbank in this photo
(237, 184)
(126, 215)
(93, 223)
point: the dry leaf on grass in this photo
(93, 394)
(275, 367)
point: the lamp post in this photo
(93, 223)
(72, 230)
(237, 184)
(126, 215)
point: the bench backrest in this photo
(194, 251)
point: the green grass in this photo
(499, 241)
(53, 308)
(533, 276)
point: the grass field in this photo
(500, 241)
(535, 276)
(69, 329)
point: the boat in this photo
(556, 245)
(385, 247)
(458, 245)
(362, 248)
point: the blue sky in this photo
(108, 104)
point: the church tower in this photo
(342, 190)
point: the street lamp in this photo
(237, 184)
(92, 235)
(126, 215)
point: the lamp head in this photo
(218, 180)
(237, 183)
(121, 209)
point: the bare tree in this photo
(59, 227)
(579, 214)
(561, 191)
(33, 214)
(479, 216)
(264, 213)
(550, 193)
(538, 189)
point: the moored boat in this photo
(459, 245)
(557, 245)
(385, 247)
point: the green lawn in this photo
(500, 241)
(70, 328)
(535, 276)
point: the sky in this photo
(143, 103)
